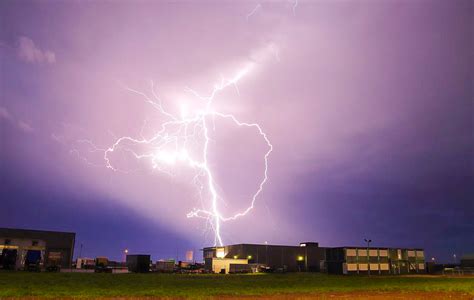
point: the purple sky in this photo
(368, 106)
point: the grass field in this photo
(54, 285)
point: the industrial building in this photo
(363, 260)
(467, 261)
(138, 263)
(312, 258)
(36, 249)
(305, 257)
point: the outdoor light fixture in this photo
(220, 252)
(235, 256)
(249, 257)
(300, 258)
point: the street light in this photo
(368, 241)
(125, 252)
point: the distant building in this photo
(165, 266)
(189, 255)
(467, 261)
(138, 263)
(85, 263)
(362, 260)
(306, 257)
(20, 247)
(310, 257)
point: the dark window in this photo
(351, 259)
(35, 243)
(8, 242)
(208, 254)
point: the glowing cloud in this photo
(183, 139)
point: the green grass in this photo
(20, 284)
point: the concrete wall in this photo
(219, 264)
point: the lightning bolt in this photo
(176, 140)
(257, 7)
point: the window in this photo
(8, 242)
(220, 252)
(208, 253)
(351, 252)
(373, 252)
(373, 259)
(351, 259)
(351, 267)
(35, 243)
(374, 267)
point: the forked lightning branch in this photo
(184, 139)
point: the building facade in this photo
(305, 257)
(47, 248)
(312, 258)
(467, 261)
(383, 261)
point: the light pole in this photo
(368, 241)
(125, 252)
(454, 257)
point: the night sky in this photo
(368, 106)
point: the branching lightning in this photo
(257, 7)
(185, 139)
(295, 4)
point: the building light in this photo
(235, 256)
(249, 257)
(303, 245)
(220, 252)
(300, 258)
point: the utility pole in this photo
(368, 241)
